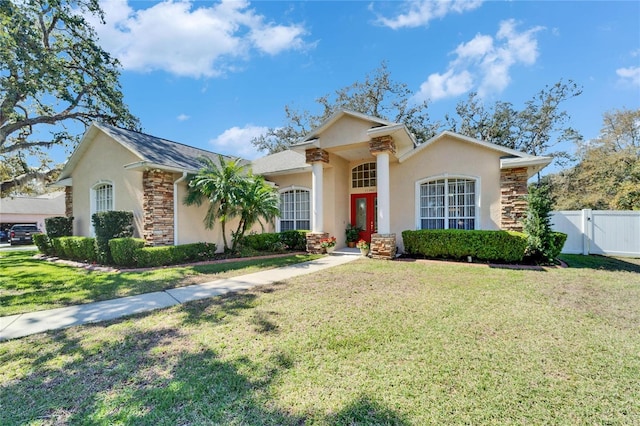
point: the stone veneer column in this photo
(157, 206)
(68, 201)
(383, 244)
(513, 204)
(316, 157)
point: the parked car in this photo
(4, 236)
(22, 234)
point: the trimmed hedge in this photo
(274, 241)
(43, 243)
(294, 240)
(496, 246)
(170, 255)
(261, 242)
(110, 225)
(59, 226)
(123, 250)
(75, 248)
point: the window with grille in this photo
(364, 176)
(295, 210)
(103, 197)
(447, 204)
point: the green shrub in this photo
(537, 226)
(261, 242)
(56, 247)
(147, 257)
(66, 247)
(294, 240)
(123, 250)
(557, 240)
(107, 226)
(43, 243)
(59, 226)
(194, 252)
(496, 246)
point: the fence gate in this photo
(612, 232)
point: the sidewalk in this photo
(21, 325)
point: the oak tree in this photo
(54, 80)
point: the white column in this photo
(384, 199)
(316, 202)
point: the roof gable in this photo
(315, 133)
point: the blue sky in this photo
(213, 75)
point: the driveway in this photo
(7, 247)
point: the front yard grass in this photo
(370, 342)
(28, 284)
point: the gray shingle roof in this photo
(158, 151)
(280, 162)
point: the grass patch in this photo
(28, 284)
(369, 342)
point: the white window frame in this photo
(293, 188)
(93, 199)
(446, 177)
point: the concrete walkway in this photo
(21, 325)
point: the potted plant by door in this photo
(352, 233)
(364, 247)
(328, 244)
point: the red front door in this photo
(364, 214)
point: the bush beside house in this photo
(497, 246)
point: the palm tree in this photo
(258, 200)
(221, 185)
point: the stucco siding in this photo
(103, 161)
(452, 158)
(346, 131)
(336, 196)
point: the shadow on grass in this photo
(145, 372)
(141, 378)
(364, 411)
(601, 262)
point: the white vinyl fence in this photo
(611, 232)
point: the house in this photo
(371, 172)
(353, 168)
(31, 210)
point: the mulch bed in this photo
(489, 265)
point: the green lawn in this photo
(370, 342)
(28, 284)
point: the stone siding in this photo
(382, 144)
(68, 201)
(157, 207)
(383, 246)
(513, 190)
(313, 242)
(314, 155)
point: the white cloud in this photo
(483, 64)
(439, 86)
(237, 141)
(629, 75)
(183, 117)
(188, 39)
(420, 13)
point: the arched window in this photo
(447, 203)
(295, 209)
(102, 197)
(364, 176)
